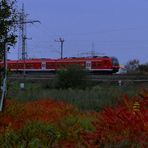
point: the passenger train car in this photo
(92, 64)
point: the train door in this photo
(43, 65)
(88, 65)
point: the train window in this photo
(27, 65)
(50, 65)
(13, 65)
(62, 64)
(37, 65)
(19, 65)
(99, 63)
(10, 65)
(58, 65)
(32, 65)
(115, 62)
(106, 62)
(94, 64)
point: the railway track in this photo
(120, 77)
(115, 77)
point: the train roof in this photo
(30, 60)
(84, 58)
(61, 60)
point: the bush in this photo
(132, 66)
(71, 77)
(33, 134)
(124, 125)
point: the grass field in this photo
(92, 98)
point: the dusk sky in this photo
(114, 27)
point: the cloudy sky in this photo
(111, 27)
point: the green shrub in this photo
(71, 77)
(34, 134)
(9, 139)
(40, 134)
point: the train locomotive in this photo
(106, 65)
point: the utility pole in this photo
(23, 36)
(22, 24)
(92, 49)
(61, 42)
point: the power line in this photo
(102, 31)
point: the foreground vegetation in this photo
(49, 123)
(95, 97)
(72, 113)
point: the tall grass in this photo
(94, 98)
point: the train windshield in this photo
(115, 61)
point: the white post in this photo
(120, 83)
(4, 85)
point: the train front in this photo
(115, 64)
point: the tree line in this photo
(134, 66)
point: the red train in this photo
(93, 64)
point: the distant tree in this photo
(143, 68)
(132, 66)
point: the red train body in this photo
(92, 64)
